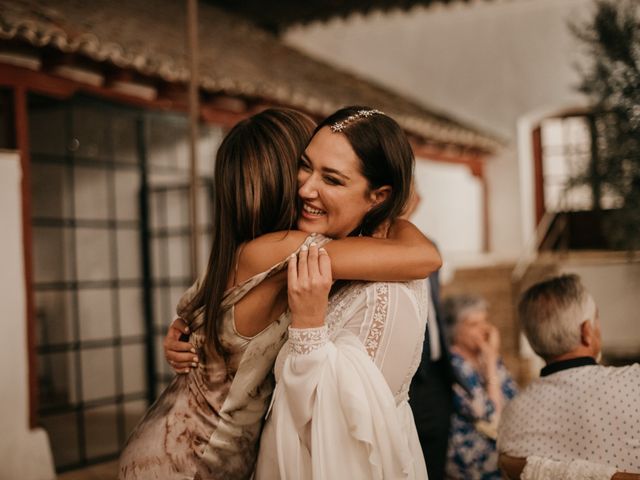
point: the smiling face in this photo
(335, 196)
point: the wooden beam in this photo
(129, 83)
(473, 158)
(58, 87)
(194, 117)
(538, 175)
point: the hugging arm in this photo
(405, 254)
(331, 400)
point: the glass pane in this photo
(576, 130)
(127, 194)
(57, 379)
(580, 198)
(47, 131)
(167, 141)
(63, 437)
(125, 141)
(50, 250)
(101, 429)
(133, 412)
(159, 248)
(93, 254)
(90, 131)
(98, 377)
(91, 197)
(611, 198)
(95, 314)
(210, 139)
(7, 140)
(554, 165)
(131, 312)
(156, 212)
(129, 259)
(177, 205)
(54, 317)
(164, 311)
(551, 132)
(134, 369)
(49, 193)
(179, 261)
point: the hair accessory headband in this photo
(339, 126)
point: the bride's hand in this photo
(309, 283)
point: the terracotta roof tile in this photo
(236, 58)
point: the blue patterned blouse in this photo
(472, 447)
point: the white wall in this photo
(489, 63)
(614, 286)
(457, 229)
(24, 453)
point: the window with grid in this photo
(107, 271)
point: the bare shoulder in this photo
(267, 250)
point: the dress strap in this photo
(235, 270)
(237, 292)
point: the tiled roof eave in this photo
(170, 69)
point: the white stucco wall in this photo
(24, 453)
(614, 285)
(489, 63)
(452, 185)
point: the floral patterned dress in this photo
(472, 453)
(207, 423)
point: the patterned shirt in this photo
(472, 450)
(581, 411)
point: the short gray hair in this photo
(551, 313)
(456, 307)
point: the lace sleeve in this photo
(303, 341)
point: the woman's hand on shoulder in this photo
(309, 283)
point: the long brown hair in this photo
(255, 190)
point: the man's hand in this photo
(180, 355)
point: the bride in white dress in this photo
(340, 407)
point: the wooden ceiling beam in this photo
(445, 153)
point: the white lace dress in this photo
(340, 407)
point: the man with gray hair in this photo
(577, 409)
